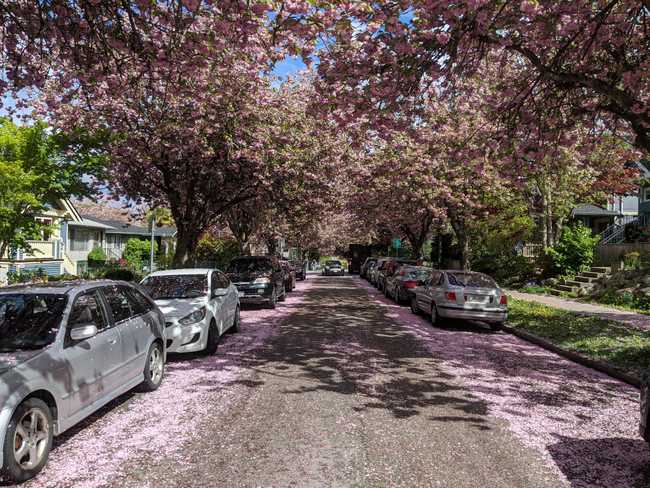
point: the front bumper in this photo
(186, 338)
(254, 294)
(333, 272)
(472, 314)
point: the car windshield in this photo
(29, 321)
(170, 287)
(473, 280)
(333, 263)
(250, 265)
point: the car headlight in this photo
(194, 317)
(262, 281)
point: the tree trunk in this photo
(272, 246)
(458, 225)
(187, 237)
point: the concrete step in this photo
(601, 269)
(567, 288)
(556, 292)
(572, 283)
(585, 279)
(592, 274)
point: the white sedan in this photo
(199, 306)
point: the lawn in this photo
(604, 340)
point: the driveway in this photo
(339, 387)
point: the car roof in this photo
(182, 271)
(58, 287)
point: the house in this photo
(598, 219)
(65, 248)
(644, 193)
(49, 252)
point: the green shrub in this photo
(632, 232)
(632, 260)
(97, 257)
(507, 268)
(136, 253)
(215, 252)
(575, 251)
(120, 274)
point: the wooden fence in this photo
(612, 254)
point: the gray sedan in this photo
(461, 295)
(65, 351)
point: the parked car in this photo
(66, 350)
(333, 267)
(259, 279)
(199, 306)
(644, 425)
(374, 272)
(365, 267)
(461, 295)
(289, 275)
(388, 269)
(406, 278)
(300, 268)
(356, 256)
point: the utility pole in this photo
(153, 227)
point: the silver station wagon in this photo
(66, 350)
(461, 295)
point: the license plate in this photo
(241, 294)
(476, 298)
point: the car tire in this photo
(496, 326)
(154, 368)
(236, 322)
(13, 469)
(414, 306)
(273, 300)
(213, 339)
(435, 319)
(283, 297)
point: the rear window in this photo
(417, 274)
(476, 280)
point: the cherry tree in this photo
(592, 56)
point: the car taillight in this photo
(451, 296)
(410, 284)
(503, 300)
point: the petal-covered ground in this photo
(147, 426)
(584, 422)
(341, 387)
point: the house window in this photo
(83, 239)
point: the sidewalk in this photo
(636, 320)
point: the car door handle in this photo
(113, 341)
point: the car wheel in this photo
(273, 300)
(213, 338)
(283, 297)
(154, 368)
(414, 306)
(28, 440)
(236, 322)
(435, 320)
(496, 326)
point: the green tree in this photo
(36, 169)
(136, 253)
(575, 251)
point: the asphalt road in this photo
(340, 388)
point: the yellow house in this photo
(64, 247)
(49, 252)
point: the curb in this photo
(612, 371)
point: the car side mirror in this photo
(219, 292)
(83, 332)
(421, 283)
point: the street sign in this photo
(397, 243)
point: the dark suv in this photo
(259, 279)
(300, 268)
